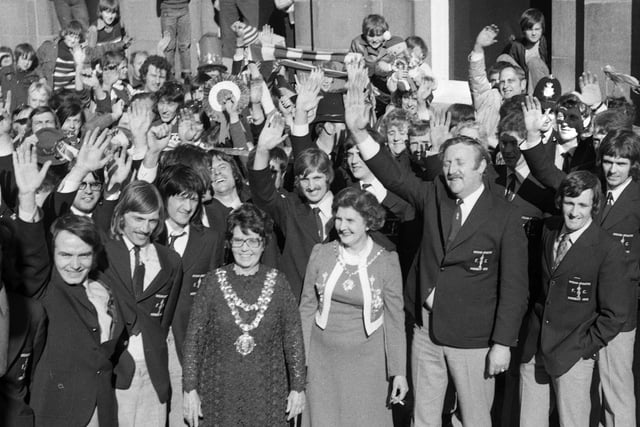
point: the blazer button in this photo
(94, 329)
(553, 282)
(441, 268)
(99, 372)
(546, 321)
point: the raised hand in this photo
(25, 166)
(188, 130)
(487, 36)
(308, 89)
(266, 35)
(440, 129)
(91, 155)
(119, 170)
(533, 116)
(590, 89)
(272, 132)
(255, 87)
(158, 137)
(140, 117)
(79, 55)
(356, 110)
(426, 88)
(163, 43)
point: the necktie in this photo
(511, 187)
(138, 272)
(608, 205)
(566, 162)
(456, 224)
(319, 224)
(174, 237)
(561, 250)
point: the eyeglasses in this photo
(23, 121)
(252, 242)
(94, 186)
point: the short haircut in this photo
(312, 160)
(249, 218)
(276, 154)
(81, 227)
(198, 159)
(112, 5)
(497, 67)
(624, 143)
(179, 179)
(364, 203)
(39, 86)
(461, 113)
(26, 49)
(513, 122)
(415, 41)
(235, 169)
(67, 110)
(73, 28)
(575, 183)
(519, 71)
(158, 62)
(396, 117)
(112, 57)
(140, 197)
(611, 119)
(531, 17)
(171, 91)
(419, 127)
(481, 151)
(512, 105)
(43, 110)
(374, 25)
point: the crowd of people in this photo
(254, 245)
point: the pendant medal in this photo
(245, 344)
(348, 285)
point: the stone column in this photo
(27, 21)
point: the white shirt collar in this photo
(575, 235)
(615, 193)
(472, 198)
(324, 204)
(173, 231)
(78, 212)
(522, 171)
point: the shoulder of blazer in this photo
(169, 255)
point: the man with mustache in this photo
(619, 155)
(473, 249)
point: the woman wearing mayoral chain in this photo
(244, 335)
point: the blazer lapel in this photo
(446, 211)
(478, 216)
(191, 251)
(618, 211)
(122, 264)
(160, 278)
(577, 251)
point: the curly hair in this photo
(362, 202)
(249, 218)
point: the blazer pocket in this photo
(480, 261)
(579, 290)
(59, 394)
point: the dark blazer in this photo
(204, 253)
(75, 371)
(622, 222)
(297, 222)
(27, 336)
(584, 302)
(542, 164)
(481, 279)
(151, 313)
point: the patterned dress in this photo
(249, 390)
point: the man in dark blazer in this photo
(146, 279)
(201, 250)
(467, 290)
(582, 306)
(619, 155)
(304, 218)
